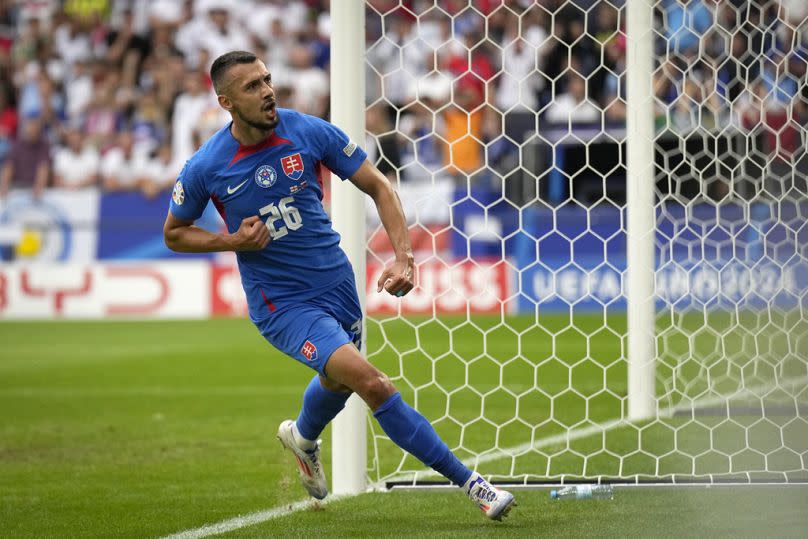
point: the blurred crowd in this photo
(487, 79)
(116, 93)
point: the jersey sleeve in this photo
(190, 197)
(339, 153)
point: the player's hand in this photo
(399, 278)
(252, 235)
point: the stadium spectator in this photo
(685, 24)
(30, 97)
(423, 152)
(126, 48)
(382, 143)
(519, 86)
(797, 68)
(432, 89)
(75, 165)
(8, 119)
(88, 10)
(572, 106)
(52, 102)
(698, 106)
(160, 173)
(583, 46)
(212, 29)
(470, 65)
(605, 23)
(28, 42)
(309, 83)
(610, 83)
(72, 42)
(102, 116)
(149, 125)
(122, 168)
(78, 90)
(279, 45)
(42, 10)
(401, 58)
(463, 121)
(188, 109)
(518, 81)
(28, 163)
(734, 73)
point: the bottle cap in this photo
(553, 494)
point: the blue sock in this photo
(319, 407)
(413, 433)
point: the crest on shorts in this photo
(293, 166)
(266, 176)
(309, 351)
(178, 196)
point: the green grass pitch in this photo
(143, 429)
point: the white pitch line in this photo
(135, 391)
(287, 509)
(242, 521)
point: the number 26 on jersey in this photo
(283, 211)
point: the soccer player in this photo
(264, 173)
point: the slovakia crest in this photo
(293, 166)
(266, 176)
(309, 351)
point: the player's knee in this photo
(377, 389)
(334, 387)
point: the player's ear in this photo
(225, 102)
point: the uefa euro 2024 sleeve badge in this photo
(179, 194)
(265, 176)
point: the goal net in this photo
(503, 126)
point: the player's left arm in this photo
(398, 278)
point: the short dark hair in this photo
(225, 62)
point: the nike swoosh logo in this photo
(231, 190)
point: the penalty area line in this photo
(251, 519)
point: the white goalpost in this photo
(640, 209)
(607, 202)
(349, 449)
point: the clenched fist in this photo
(398, 279)
(252, 235)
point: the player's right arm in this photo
(188, 201)
(182, 236)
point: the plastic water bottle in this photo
(583, 492)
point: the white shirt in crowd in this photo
(519, 82)
(201, 34)
(76, 167)
(161, 173)
(566, 109)
(401, 60)
(310, 88)
(188, 110)
(72, 48)
(125, 172)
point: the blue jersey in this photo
(281, 180)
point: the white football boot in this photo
(494, 502)
(308, 461)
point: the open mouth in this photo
(269, 107)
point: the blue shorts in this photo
(310, 331)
